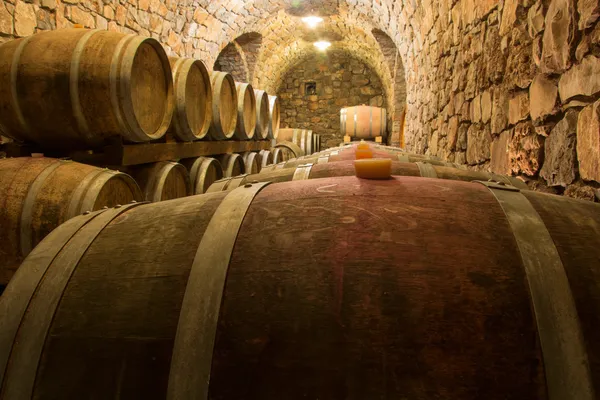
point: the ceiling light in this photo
(322, 45)
(312, 21)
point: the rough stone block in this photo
(6, 21)
(588, 142)
(478, 145)
(559, 36)
(589, 11)
(543, 96)
(499, 111)
(499, 153)
(525, 150)
(559, 161)
(518, 108)
(25, 19)
(581, 80)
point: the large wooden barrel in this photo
(251, 165)
(303, 138)
(334, 288)
(292, 149)
(162, 180)
(224, 114)
(266, 158)
(193, 99)
(204, 171)
(364, 122)
(246, 112)
(233, 164)
(274, 117)
(304, 169)
(279, 155)
(38, 194)
(262, 115)
(73, 88)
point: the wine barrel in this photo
(279, 155)
(303, 138)
(38, 194)
(193, 99)
(266, 158)
(73, 88)
(304, 170)
(246, 112)
(162, 181)
(335, 288)
(364, 122)
(292, 149)
(204, 171)
(251, 162)
(233, 165)
(224, 111)
(262, 115)
(274, 117)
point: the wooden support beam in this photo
(135, 154)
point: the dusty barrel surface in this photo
(246, 112)
(364, 122)
(204, 171)
(193, 99)
(305, 169)
(73, 88)
(233, 165)
(262, 115)
(303, 138)
(39, 194)
(274, 117)
(162, 181)
(394, 272)
(224, 113)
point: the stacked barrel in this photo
(358, 272)
(78, 89)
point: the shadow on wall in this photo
(313, 93)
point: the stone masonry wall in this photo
(342, 81)
(517, 92)
(232, 60)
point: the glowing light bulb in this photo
(312, 21)
(322, 45)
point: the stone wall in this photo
(232, 60)
(341, 81)
(516, 92)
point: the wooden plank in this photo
(146, 153)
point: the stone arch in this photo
(394, 61)
(342, 80)
(250, 45)
(232, 60)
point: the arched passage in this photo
(318, 85)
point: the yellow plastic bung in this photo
(363, 145)
(374, 168)
(364, 153)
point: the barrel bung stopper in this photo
(364, 153)
(373, 168)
